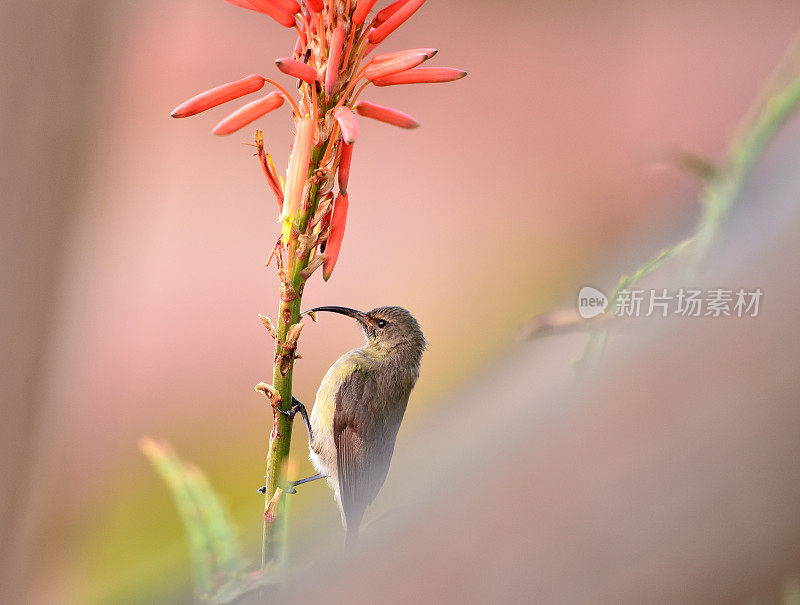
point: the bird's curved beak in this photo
(357, 315)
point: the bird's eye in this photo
(381, 323)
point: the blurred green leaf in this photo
(216, 557)
(775, 104)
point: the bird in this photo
(359, 407)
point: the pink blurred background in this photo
(135, 244)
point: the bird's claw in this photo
(290, 487)
(286, 490)
(290, 414)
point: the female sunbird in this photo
(359, 408)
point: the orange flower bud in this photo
(421, 75)
(362, 10)
(218, 96)
(297, 172)
(386, 114)
(248, 113)
(345, 157)
(297, 69)
(348, 123)
(400, 16)
(268, 8)
(393, 65)
(338, 222)
(315, 5)
(334, 59)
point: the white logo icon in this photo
(591, 302)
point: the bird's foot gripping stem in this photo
(298, 407)
(293, 484)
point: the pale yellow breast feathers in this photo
(325, 403)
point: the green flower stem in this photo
(281, 436)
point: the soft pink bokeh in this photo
(525, 178)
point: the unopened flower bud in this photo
(344, 166)
(386, 114)
(297, 69)
(249, 113)
(421, 75)
(334, 59)
(348, 123)
(390, 10)
(338, 222)
(268, 8)
(297, 172)
(362, 10)
(393, 65)
(399, 17)
(218, 96)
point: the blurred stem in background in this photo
(44, 169)
(775, 104)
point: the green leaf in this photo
(215, 553)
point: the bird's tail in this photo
(352, 522)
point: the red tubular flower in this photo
(315, 5)
(348, 123)
(332, 49)
(297, 172)
(421, 75)
(362, 10)
(345, 159)
(338, 222)
(428, 52)
(387, 12)
(266, 166)
(378, 34)
(323, 225)
(334, 59)
(218, 96)
(297, 69)
(249, 113)
(268, 8)
(299, 45)
(290, 6)
(387, 67)
(386, 114)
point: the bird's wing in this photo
(363, 446)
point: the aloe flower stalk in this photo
(331, 67)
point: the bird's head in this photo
(392, 329)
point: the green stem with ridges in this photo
(288, 315)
